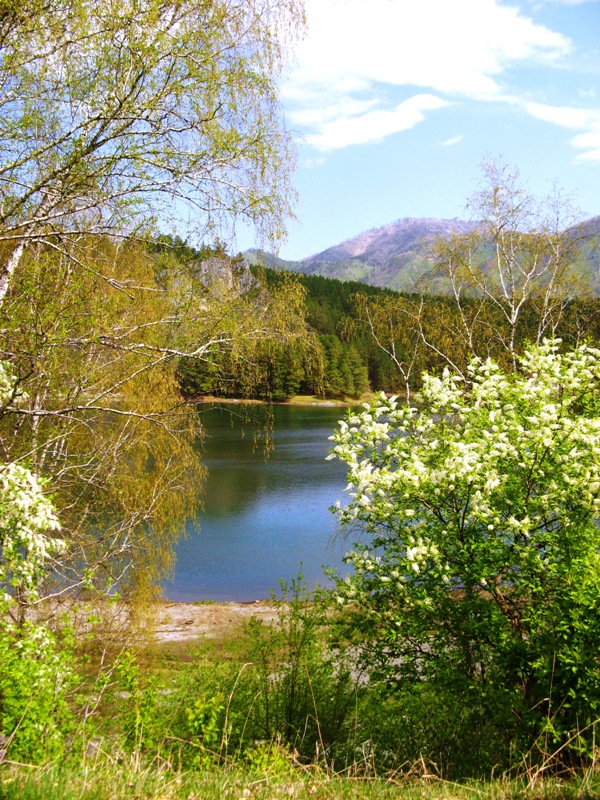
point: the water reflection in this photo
(262, 517)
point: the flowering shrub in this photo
(479, 562)
(26, 518)
(34, 673)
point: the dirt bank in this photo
(177, 622)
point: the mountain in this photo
(378, 245)
(397, 255)
(588, 235)
(394, 255)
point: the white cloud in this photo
(565, 116)
(586, 121)
(452, 141)
(357, 51)
(339, 108)
(590, 143)
(374, 125)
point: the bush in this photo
(479, 566)
(305, 696)
(35, 677)
(287, 695)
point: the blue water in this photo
(263, 517)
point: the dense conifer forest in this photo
(345, 359)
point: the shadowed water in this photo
(262, 517)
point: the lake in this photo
(262, 517)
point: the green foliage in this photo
(205, 724)
(36, 675)
(370, 337)
(110, 112)
(26, 518)
(262, 346)
(352, 361)
(479, 571)
(270, 758)
(268, 369)
(345, 374)
(384, 340)
(98, 413)
(288, 697)
(456, 734)
(140, 723)
(305, 695)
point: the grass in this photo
(101, 765)
(227, 646)
(103, 780)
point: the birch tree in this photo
(118, 118)
(95, 405)
(512, 278)
(117, 114)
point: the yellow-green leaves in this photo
(114, 114)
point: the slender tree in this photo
(513, 277)
(96, 406)
(510, 281)
(116, 114)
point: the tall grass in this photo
(104, 780)
(283, 714)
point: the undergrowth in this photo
(101, 779)
(286, 712)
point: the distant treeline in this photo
(341, 361)
(352, 361)
(345, 359)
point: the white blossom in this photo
(509, 466)
(27, 518)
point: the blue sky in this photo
(394, 104)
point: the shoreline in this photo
(297, 401)
(165, 621)
(207, 619)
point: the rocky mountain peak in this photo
(406, 235)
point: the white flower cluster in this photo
(27, 516)
(482, 480)
(6, 383)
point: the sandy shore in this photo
(294, 401)
(193, 621)
(164, 621)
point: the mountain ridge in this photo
(396, 255)
(406, 234)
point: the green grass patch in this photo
(100, 780)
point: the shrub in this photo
(478, 570)
(304, 691)
(35, 677)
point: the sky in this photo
(395, 104)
